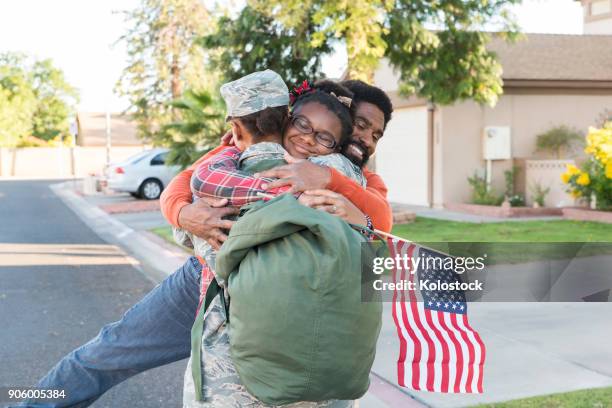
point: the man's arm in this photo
(178, 192)
(202, 218)
(371, 201)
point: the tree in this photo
(163, 60)
(254, 41)
(56, 101)
(438, 47)
(453, 62)
(17, 100)
(357, 22)
(251, 41)
(35, 100)
(199, 129)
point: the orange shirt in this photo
(371, 201)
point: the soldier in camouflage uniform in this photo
(221, 386)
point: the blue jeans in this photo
(154, 332)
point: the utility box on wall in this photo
(496, 143)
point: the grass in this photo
(432, 230)
(511, 242)
(592, 398)
(165, 233)
(531, 239)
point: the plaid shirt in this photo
(220, 177)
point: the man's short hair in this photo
(371, 94)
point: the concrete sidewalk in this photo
(444, 214)
(532, 348)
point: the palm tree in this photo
(199, 129)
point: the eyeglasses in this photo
(303, 125)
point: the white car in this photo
(143, 175)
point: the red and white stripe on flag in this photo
(439, 351)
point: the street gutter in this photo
(155, 258)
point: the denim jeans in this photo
(154, 332)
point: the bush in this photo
(539, 193)
(516, 200)
(594, 177)
(558, 140)
(481, 194)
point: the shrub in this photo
(481, 194)
(516, 200)
(594, 177)
(558, 140)
(539, 193)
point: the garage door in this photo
(401, 156)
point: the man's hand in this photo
(301, 175)
(203, 219)
(333, 203)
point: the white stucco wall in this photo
(598, 27)
(401, 156)
(526, 115)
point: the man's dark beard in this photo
(359, 161)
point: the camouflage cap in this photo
(254, 92)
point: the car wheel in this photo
(150, 189)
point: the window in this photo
(599, 7)
(159, 160)
(137, 157)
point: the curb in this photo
(137, 244)
(391, 395)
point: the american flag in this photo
(439, 351)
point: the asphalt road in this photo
(59, 284)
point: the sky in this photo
(80, 36)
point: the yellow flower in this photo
(575, 193)
(599, 143)
(609, 169)
(605, 151)
(583, 179)
(565, 177)
(571, 169)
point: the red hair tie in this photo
(305, 88)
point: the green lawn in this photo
(530, 240)
(165, 233)
(431, 230)
(512, 241)
(593, 398)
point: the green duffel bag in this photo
(299, 330)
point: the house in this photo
(549, 80)
(597, 16)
